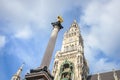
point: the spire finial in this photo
(75, 21)
(115, 75)
(98, 78)
(22, 65)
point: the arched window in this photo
(78, 59)
(70, 35)
(67, 48)
(72, 47)
(66, 35)
(74, 33)
(81, 60)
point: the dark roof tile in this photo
(104, 76)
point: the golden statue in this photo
(58, 22)
(60, 19)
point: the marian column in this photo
(51, 44)
(42, 72)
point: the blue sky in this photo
(25, 28)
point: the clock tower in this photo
(70, 63)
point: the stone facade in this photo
(70, 63)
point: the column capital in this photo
(58, 23)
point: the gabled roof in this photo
(105, 76)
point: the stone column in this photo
(42, 72)
(51, 44)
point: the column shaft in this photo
(50, 47)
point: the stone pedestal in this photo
(39, 74)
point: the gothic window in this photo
(69, 34)
(72, 34)
(70, 40)
(81, 59)
(78, 59)
(66, 35)
(66, 48)
(75, 47)
(71, 29)
(75, 43)
(72, 47)
(75, 25)
(56, 64)
(75, 33)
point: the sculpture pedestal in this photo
(39, 74)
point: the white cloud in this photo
(104, 65)
(24, 33)
(28, 59)
(40, 12)
(2, 41)
(99, 65)
(103, 20)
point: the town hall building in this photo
(70, 62)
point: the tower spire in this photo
(74, 24)
(98, 78)
(115, 75)
(75, 21)
(16, 76)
